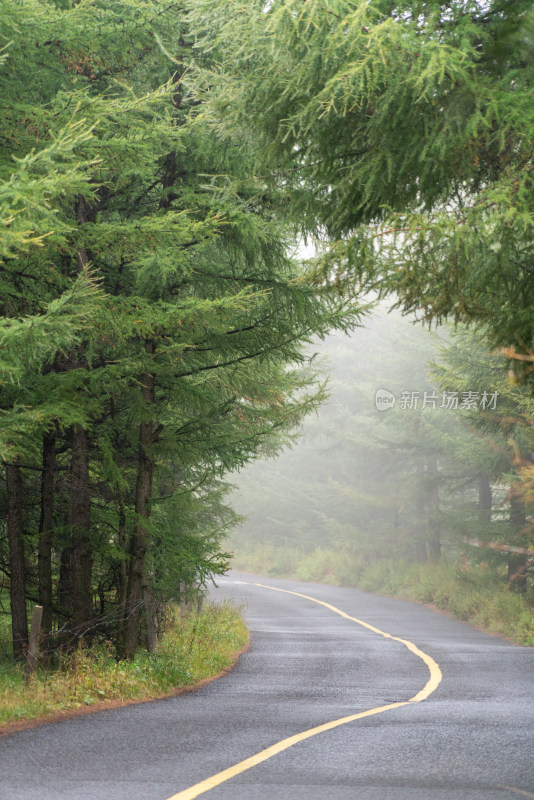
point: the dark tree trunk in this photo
(170, 172)
(15, 533)
(66, 585)
(84, 213)
(151, 622)
(517, 563)
(75, 590)
(82, 557)
(122, 584)
(169, 177)
(123, 566)
(143, 495)
(45, 529)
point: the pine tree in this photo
(502, 458)
(447, 470)
(402, 133)
(182, 356)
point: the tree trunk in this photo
(143, 495)
(517, 563)
(122, 587)
(45, 529)
(82, 558)
(84, 213)
(169, 177)
(123, 566)
(65, 587)
(79, 554)
(151, 623)
(15, 533)
(170, 172)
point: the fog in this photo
(350, 488)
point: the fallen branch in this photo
(505, 548)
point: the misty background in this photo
(363, 487)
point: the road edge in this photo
(18, 726)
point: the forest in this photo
(162, 167)
(427, 497)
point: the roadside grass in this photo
(194, 649)
(478, 595)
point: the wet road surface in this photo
(471, 739)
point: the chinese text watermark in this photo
(466, 401)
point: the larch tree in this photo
(182, 314)
(403, 134)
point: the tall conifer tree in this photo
(190, 309)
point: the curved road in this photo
(467, 736)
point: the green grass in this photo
(199, 647)
(475, 594)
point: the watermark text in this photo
(450, 401)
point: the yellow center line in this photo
(430, 686)
(513, 789)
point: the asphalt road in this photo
(470, 739)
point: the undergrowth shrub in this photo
(198, 647)
(475, 594)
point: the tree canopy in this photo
(403, 133)
(154, 316)
(153, 182)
